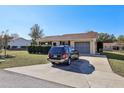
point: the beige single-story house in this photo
(85, 43)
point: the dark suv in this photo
(62, 54)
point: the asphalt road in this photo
(14, 80)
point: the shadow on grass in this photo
(7, 56)
(79, 66)
(114, 56)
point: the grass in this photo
(116, 60)
(23, 58)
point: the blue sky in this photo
(57, 20)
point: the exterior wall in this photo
(108, 46)
(93, 46)
(57, 43)
(72, 44)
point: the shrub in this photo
(23, 47)
(33, 50)
(30, 49)
(45, 49)
(39, 49)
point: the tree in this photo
(36, 33)
(113, 38)
(105, 37)
(1, 43)
(121, 39)
(5, 39)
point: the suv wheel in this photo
(53, 63)
(69, 61)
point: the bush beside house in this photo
(38, 49)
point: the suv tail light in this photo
(49, 55)
(64, 56)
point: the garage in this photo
(83, 47)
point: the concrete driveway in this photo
(89, 71)
(10, 79)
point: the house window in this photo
(14, 47)
(45, 43)
(115, 48)
(64, 42)
(49, 43)
(54, 44)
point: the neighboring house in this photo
(113, 46)
(85, 43)
(19, 43)
(108, 46)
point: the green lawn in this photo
(116, 60)
(23, 58)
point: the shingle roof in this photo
(88, 35)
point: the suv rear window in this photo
(57, 50)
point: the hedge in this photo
(38, 49)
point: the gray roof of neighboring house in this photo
(20, 38)
(88, 35)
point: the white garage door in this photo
(83, 47)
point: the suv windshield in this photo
(57, 50)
